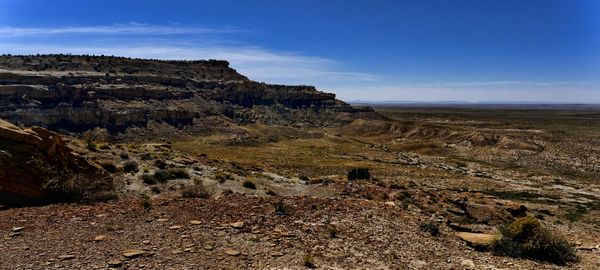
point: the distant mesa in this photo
(80, 92)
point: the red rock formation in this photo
(36, 166)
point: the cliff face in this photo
(36, 166)
(81, 92)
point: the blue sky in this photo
(478, 50)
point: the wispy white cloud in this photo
(255, 62)
(493, 83)
(116, 29)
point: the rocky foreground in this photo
(237, 232)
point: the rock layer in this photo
(81, 92)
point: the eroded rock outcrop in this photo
(36, 166)
(81, 92)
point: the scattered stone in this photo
(467, 263)
(237, 225)
(232, 252)
(133, 253)
(276, 254)
(66, 257)
(175, 227)
(162, 220)
(146, 242)
(114, 263)
(17, 229)
(99, 238)
(176, 251)
(14, 234)
(208, 247)
(195, 222)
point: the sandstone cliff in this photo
(81, 92)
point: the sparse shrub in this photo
(333, 232)
(249, 185)
(271, 193)
(145, 202)
(304, 178)
(199, 190)
(130, 166)
(155, 190)
(149, 179)
(430, 228)
(281, 209)
(91, 145)
(178, 173)
(161, 164)
(222, 177)
(109, 167)
(359, 173)
(576, 213)
(309, 262)
(124, 155)
(162, 175)
(527, 238)
(146, 156)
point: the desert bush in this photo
(198, 190)
(161, 164)
(304, 178)
(177, 173)
(249, 185)
(149, 179)
(359, 173)
(146, 156)
(271, 193)
(430, 228)
(130, 166)
(91, 145)
(309, 262)
(527, 238)
(164, 175)
(281, 209)
(145, 202)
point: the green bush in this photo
(164, 176)
(359, 173)
(178, 173)
(161, 164)
(130, 166)
(198, 190)
(431, 228)
(249, 184)
(527, 238)
(149, 179)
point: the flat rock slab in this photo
(133, 253)
(232, 252)
(478, 239)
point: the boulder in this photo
(37, 167)
(478, 240)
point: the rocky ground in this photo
(239, 232)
